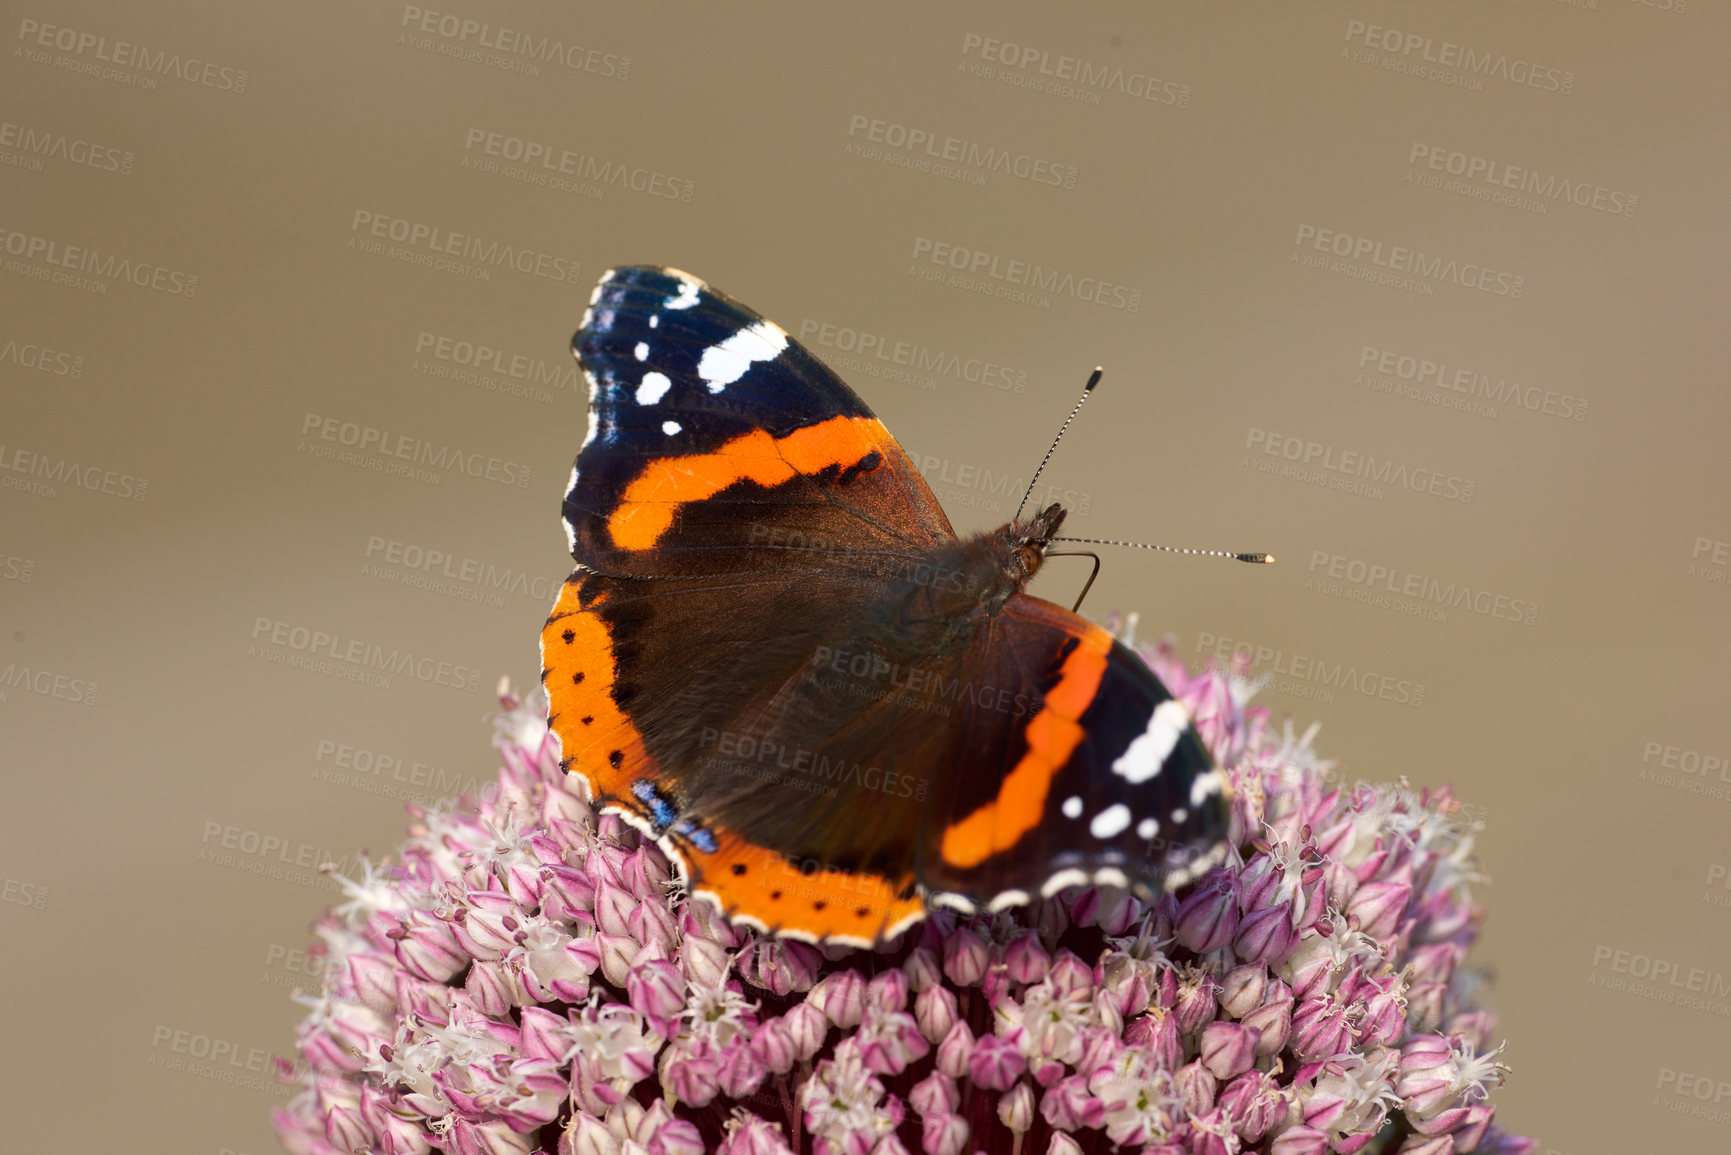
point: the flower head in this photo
(527, 975)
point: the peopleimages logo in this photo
(47, 683)
(91, 270)
(1422, 374)
(1390, 262)
(38, 144)
(425, 244)
(1350, 465)
(84, 47)
(32, 355)
(998, 275)
(923, 148)
(554, 167)
(879, 355)
(362, 661)
(1025, 66)
(443, 572)
(512, 49)
(1307, 676)
(1413, 51)
(39, 473)
(1369, 581)
(360, 443)
(1498, 177)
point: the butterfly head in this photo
(1027, 541)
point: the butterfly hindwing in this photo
(1106, 782)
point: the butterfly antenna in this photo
(1253, 558)
(1093, 380)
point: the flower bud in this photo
(1384, 1020)
(489, 988)
(346, 1130)
(1472, 1129)
(689, 1073)
(1070, 974)
(427, 948)
(1197, 1002)
(965, 957)
(1243, 988)
(773, 1045)
(613, 907)
(656, 991)
(587, 1135)
(1255, 1103)
(1434, 962)
(1266, 935)
(1069, 1106)
(1229, 1049)
(748, 1134)
(1026, 960)
(890, 1144)
(1320, 1029)
(995, 1063)
(617, 952)
(373, 977)
(1273, 1019)
(738, 1071)
(1198, 1086)
(841, 996)
(935, 1011)
(704, 961)
(1427, 1145)
(956, 1050)
(1208, 919)
(887, 990)
(676, 1137)
(943, 1134)
(936, 1094)
(806, 1028)
(1300, 1140)
(921, 967)
(1016, 1108)
(1378, 907)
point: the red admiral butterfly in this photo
(776, 657)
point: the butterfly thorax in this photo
(958, 581)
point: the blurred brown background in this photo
(1428, 300)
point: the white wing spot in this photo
(1180, 814)
(686, 297)
(1113, 820)
(653, 388)
(1144, 757)
(723, 364)
(1204, 788)
(1147, 828)
(671, 427)
(655, 320)
(642, 351)
(1072, 807)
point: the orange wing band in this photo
(651, 501)
(596, 740)
(1052, 735)
(804, 900)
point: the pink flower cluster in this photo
(529, 977)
